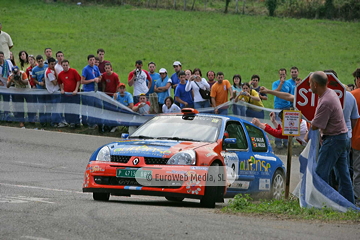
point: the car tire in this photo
(101, 196)
(277, 185)
(174, 199)
(211, 192)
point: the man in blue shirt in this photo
(175, 78)
(294, 71)
(90, 78)
(183, 97)
(162, 87)
(123, 97)
(38, 72)
(90, 75)
(154, 76)
(283, 86)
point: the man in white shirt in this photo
(53, 87)
(5, 43)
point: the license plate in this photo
(132, 173)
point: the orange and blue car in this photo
(187, 155)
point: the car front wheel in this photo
(211, 192)
(174, 199)
(101, 196)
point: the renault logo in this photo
(135, 161)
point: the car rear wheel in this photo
(174, 199)
(211, 192)
(278, 185)
(101, 196)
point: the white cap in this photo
(177, 63)
(162, 70)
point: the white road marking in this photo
(41, 188)
(22, 199)
(34, 238)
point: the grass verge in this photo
(287, 209)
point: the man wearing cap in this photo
(175, 78)
(162, 87)
(123, 97)
(137, 78)
(20, 80)
(143, 106)
(5, 43)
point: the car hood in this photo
(152, 148)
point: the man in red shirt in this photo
(110, 80)
(69, 80)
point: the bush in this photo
(271, 5)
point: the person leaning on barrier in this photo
(143, 106)
(20, 80)
(277, 130)
(251, 96)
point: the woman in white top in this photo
(195, 83)
(237, 89)
(169, 106)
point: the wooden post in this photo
(288, 166)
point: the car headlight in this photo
(103, 154)
(187, 157)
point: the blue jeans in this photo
(239, 110)
(202, 104)
(333, 153)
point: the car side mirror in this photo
(125, 135)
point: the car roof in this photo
(224, 117)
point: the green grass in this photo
(209, 40)
(288, 209)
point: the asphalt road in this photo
(41, 198)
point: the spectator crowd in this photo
(169, 92)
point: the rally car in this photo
(187, 155)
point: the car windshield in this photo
(181, 128)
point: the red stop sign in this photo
(306, 101)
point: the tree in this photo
(226, 6)
(271, 5)
(329, 8)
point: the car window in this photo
(172, 127)
(235, 130)
(257, 138)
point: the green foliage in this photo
(287, 208)
(233, 44)
(271, 5)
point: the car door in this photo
(237, 155)
(260, 161)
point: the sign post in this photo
(290, 127)
(306, 101)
